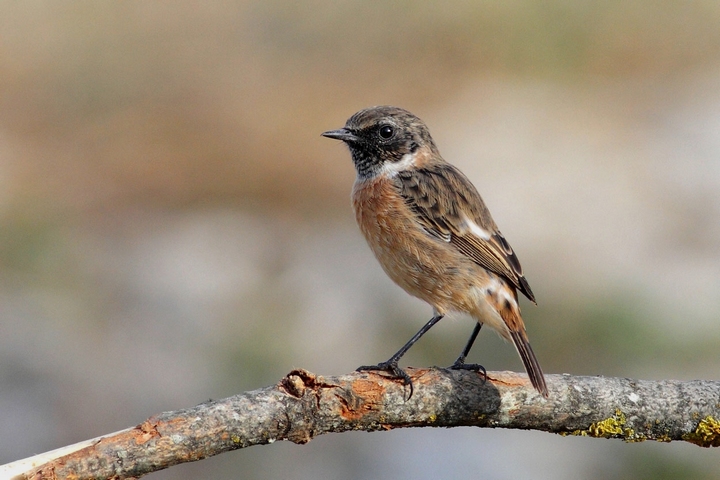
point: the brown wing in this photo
(444, 200)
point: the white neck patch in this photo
(392, 168)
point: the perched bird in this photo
(432, 233)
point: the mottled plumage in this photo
(443, 200)
(431, 231)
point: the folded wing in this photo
(449, 207)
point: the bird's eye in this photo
(386, 131)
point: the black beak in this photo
(341, 134)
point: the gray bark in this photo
(303, 406)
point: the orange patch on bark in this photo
(363, 397)
(145, 432)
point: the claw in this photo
(473, 367)
(393, 369)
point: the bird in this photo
(433, 235)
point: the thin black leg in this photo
(460, 362)
(461, 359)
(391, 365)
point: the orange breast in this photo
(424, 266)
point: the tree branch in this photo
(303, 406)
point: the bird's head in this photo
(381, 136)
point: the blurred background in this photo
(174, 228)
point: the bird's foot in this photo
(473, 367)
(393, 369)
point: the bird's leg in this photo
(391, 365)
(460, 362)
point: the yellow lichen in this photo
(707, 433)
(611, 427)
(632, 437)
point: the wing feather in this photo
(449, 208)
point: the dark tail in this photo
(530, 361)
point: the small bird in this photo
(432, 233)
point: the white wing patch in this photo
(476, 229)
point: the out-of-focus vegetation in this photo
(116, 103)
(173, 227)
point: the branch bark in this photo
(303, 406)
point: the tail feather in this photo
(532, 366)
(509, 311)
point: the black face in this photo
(378, 135)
